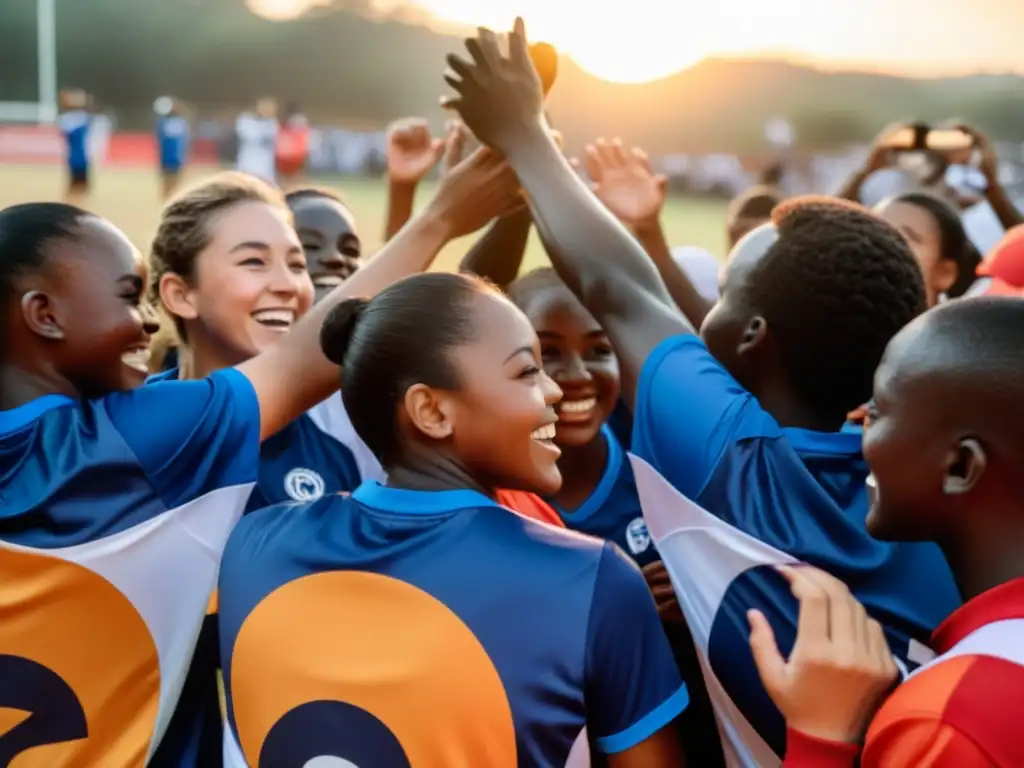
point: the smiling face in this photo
(578, 356)
(503, 413)
(95, 298)
(923, 234)
(327, 232)
(250, 284)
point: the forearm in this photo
(1002, 205)
(498, 255)
(401, 197)
(591, 250)
(851, 187)
(694, 306)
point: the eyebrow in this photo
(524, 348)
(259, 245)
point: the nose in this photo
(284, 281)
(552, 392)
(574, 370)
(150, 318)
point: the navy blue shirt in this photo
(612, 512)
(398, 628)
(801, 492)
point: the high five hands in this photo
(411, 151)
(499, 96)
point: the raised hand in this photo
(480, 188)
(840, 668)
(988, 161)
(624, 181)
(456, 135)
(499, 97)
(411, 151)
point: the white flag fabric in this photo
(704, 556)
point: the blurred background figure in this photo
(172, 136)
(292, 147)
(257, 140)
(75, 123)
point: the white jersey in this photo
(257, 137)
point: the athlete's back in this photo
(113, 516)
(398, 628)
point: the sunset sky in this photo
(654, 38)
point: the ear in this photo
(944, 275)
(753, 335)
(964, 467)
(177, 297)
(426, 409)
(41, 315)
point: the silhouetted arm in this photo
(498, 255)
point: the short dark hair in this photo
(523, 287)
(399, 338)
(835, 287)
(954, 244)
(25, 232)
(754, 203)
(303, 193)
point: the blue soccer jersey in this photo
(612, 512)
(396, 628)
(114, 515)
(172, 139)
(75, 125)
(802, 493)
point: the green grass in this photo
(130, 198)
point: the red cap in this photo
(1005, 262)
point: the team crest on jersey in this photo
(304, 484)
(638, 538)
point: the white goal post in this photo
(45, 109)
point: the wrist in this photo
(528, 138)
(402, 187)
(649, 230)
(436, 223)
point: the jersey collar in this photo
(997, 604)
(373, 494)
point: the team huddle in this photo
(590, 515)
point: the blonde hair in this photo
(185, 226)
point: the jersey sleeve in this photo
(633, 687)
(191, 437)
(688, 410)
(925, 741)
(803, 751)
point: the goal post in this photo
(46, 108)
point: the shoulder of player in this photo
(279, 523)
(532, 537)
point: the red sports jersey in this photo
(530, 505)
(961, 710)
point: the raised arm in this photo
(498, 254)
(412, 152)
(500, 100)
(294, 376)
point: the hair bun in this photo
(339, 327)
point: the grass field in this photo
(130, 198)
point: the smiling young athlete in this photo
(746, 421)
(116, 504)
(327, 231)
(525, 634)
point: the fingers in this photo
(594, 163)
(458, 66)
(518, 47)
(813, 622)
(484, 49)
(455, 143)
(771, 667)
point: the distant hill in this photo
(343, 67)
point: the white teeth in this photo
(137, 359)
(328, 281)
(275, 317)
(870, 482)
(578, 406)
(544, 433)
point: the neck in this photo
(582, 467)
(198, 359)
(19, 386)
(983, 559)
(434, 474)
(790, 413)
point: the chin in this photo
(548, 482)
(576, 435)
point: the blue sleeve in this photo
(688, 410)
(191, 437)
(633, 687)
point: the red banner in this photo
(33, 144)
